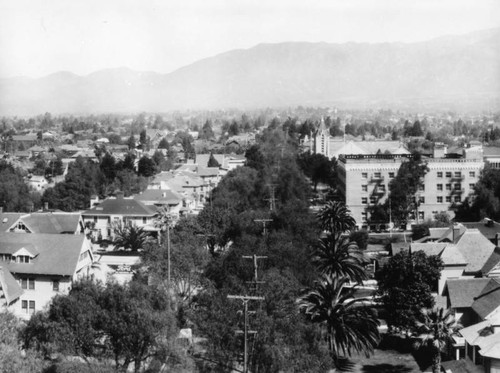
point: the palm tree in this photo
(130, 236)
(436, 331)
(340, 257)
(336, 219)
(348, 324)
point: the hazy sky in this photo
(39, 37)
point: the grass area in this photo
(384, 361)
(395, 354)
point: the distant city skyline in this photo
(38, 38)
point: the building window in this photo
(457, 199)
(144, 220)
(363, 216)
(448, 186)
(472, 173)
(448, 173)
(440, 187)
(373, 200)
(95, 219)
(55, 285)
(458, 174)
(421, 187)
(421, 215)
(448, 199)
(364, 175)
(22, 259)
(28, 283)
(440, 199)
(364, 188)
(440, 174)
(471, 186)
(457, 186)
(377, 175)
(391, 175)
(32, 307)
(24, 306)
(364, 200)
(421, 199)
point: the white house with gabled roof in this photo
(43, 266)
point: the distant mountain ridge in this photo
(459, 71)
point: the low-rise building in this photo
(43, 265)
(105, 215)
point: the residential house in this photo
(464, 252)
(105, 215)
(44, 265)
(482, 343)
(166, 198)
(37, 182)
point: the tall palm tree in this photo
(436, 331)
(347, 323)
(336, 218)
(340, 257)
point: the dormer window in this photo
(22, 259)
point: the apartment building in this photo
(364, 181)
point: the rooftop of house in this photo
(9, 286)
(462, 291)
(492, 266)
(476, 249)
(482, 334)
(9, 218)
(488, 228)
(120, 206)
(55, 254)
(51, 222)
(488, 300)
(159, 196)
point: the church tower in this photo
(322, 140)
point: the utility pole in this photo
(264, 222)
(245, 299)
(272, 199)
(255, 268)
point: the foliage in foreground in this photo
(125, 323)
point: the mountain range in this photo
(450, 72)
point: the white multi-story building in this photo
(364, 181)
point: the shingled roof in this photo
(56, 254)
(159, 196)
(476, 249)
(52, 222)
(461, 292)
(120, 206)
(488, 300)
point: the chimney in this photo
(119, 195)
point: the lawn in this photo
(382, 361)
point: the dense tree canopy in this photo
(406, 283)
